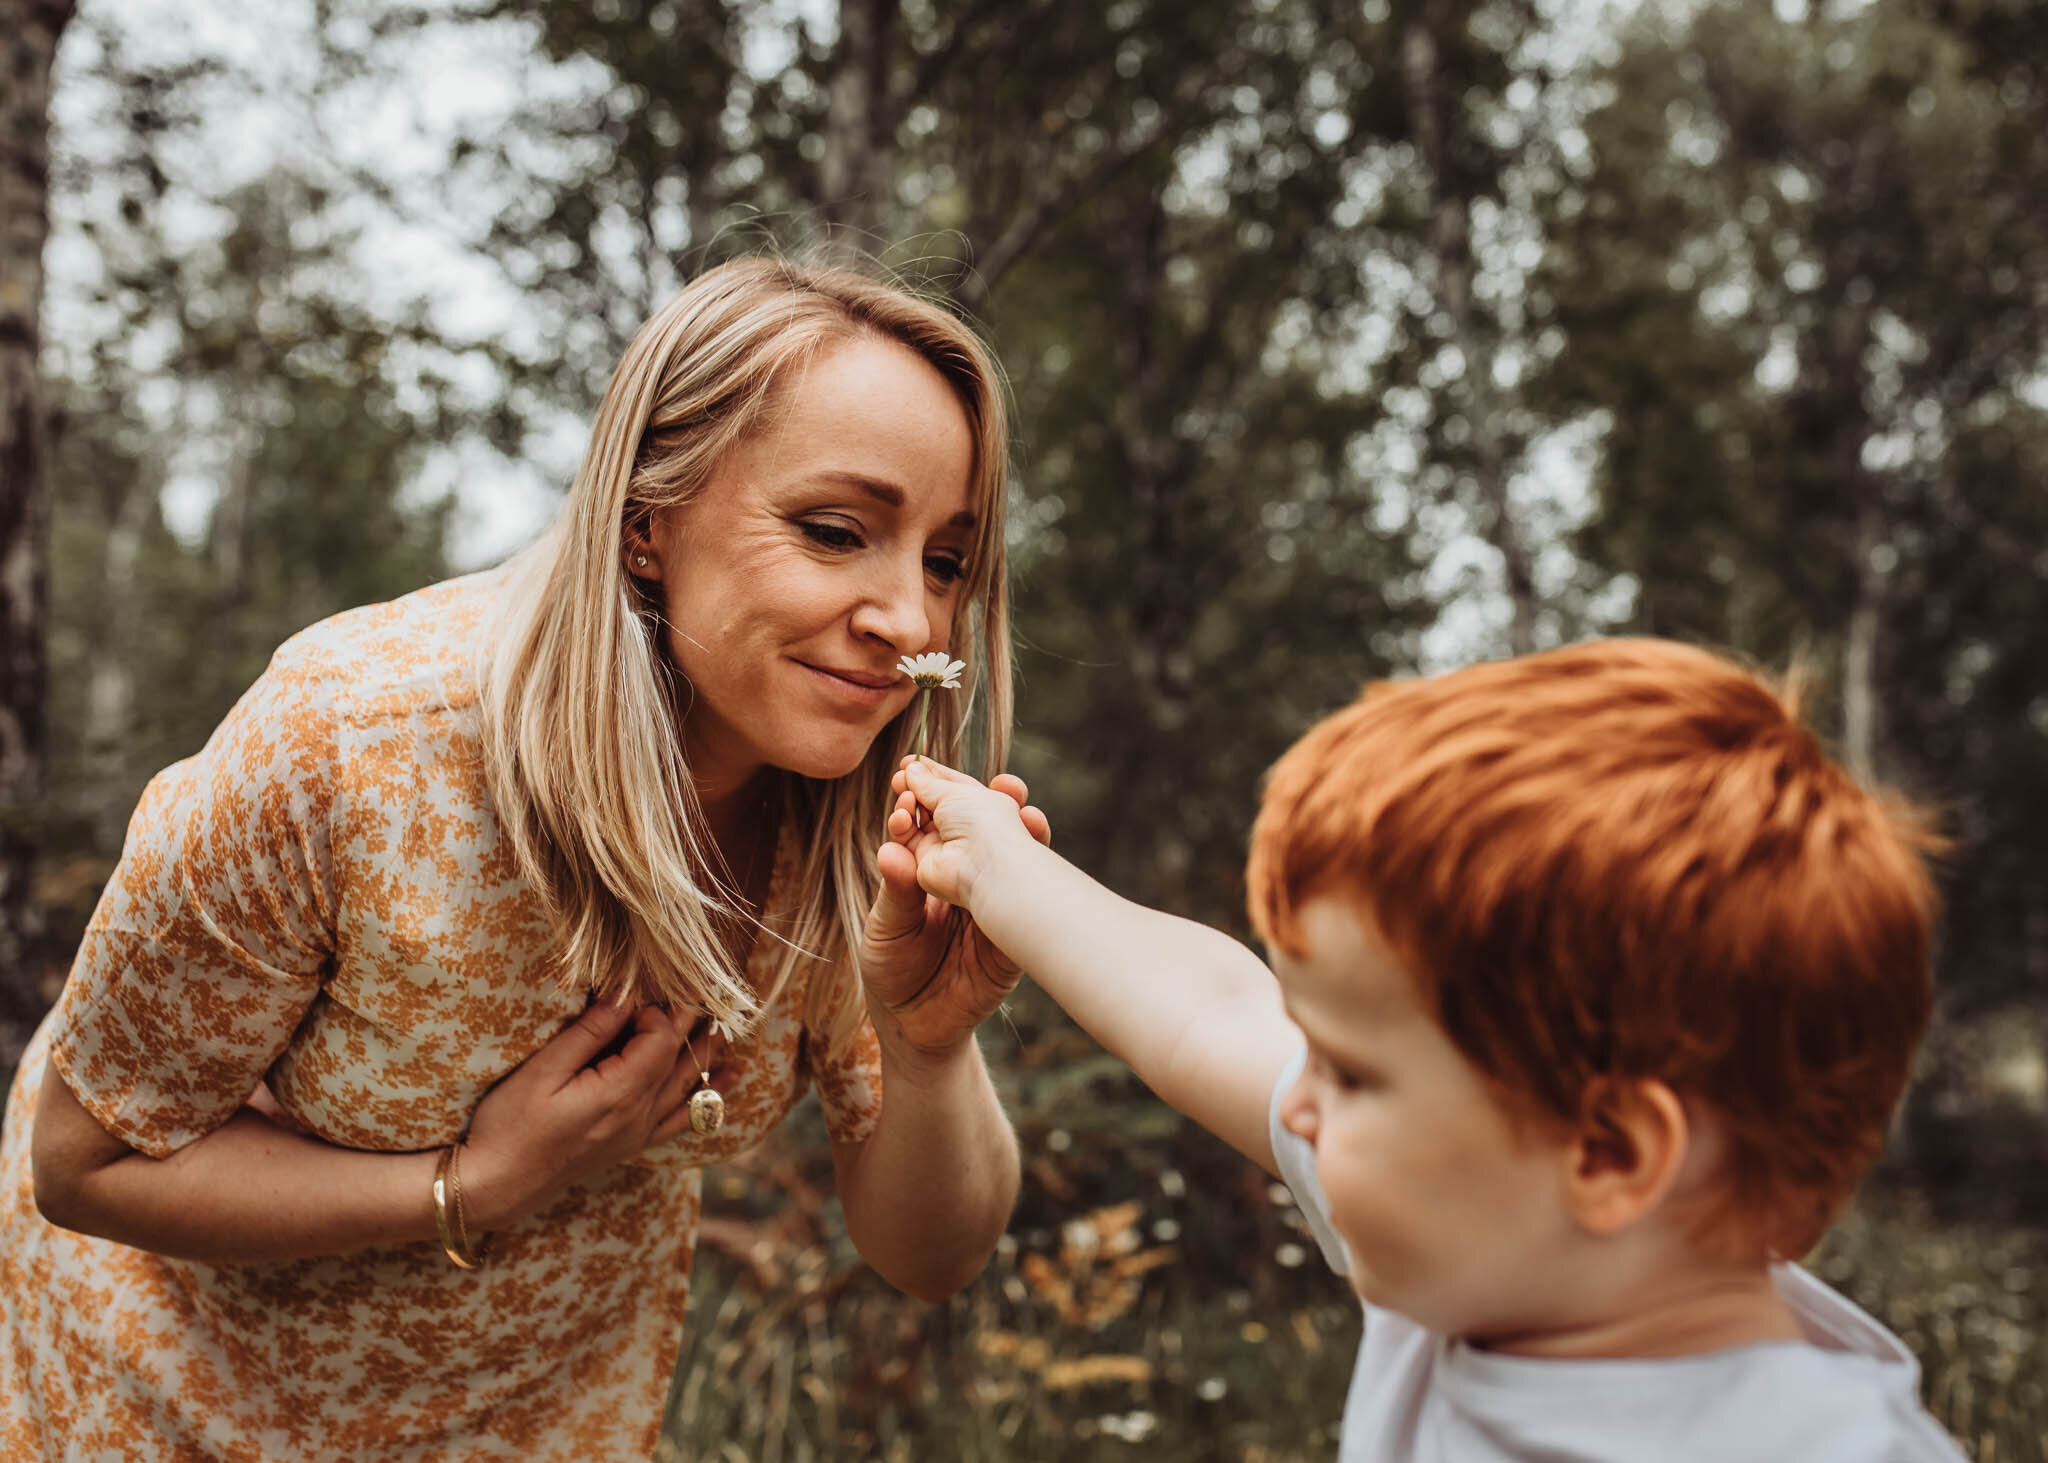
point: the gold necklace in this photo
(707, 1108)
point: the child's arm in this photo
(1194, 1013)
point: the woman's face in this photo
(827, 545)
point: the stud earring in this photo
(640, 561)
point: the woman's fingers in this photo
(903, 818)
(1035, 821)
(898, 865)
(576, 1045)
(637, 1070)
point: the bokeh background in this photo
(1347, 340)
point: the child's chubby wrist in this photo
(1004, 868)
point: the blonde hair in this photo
(579, 698)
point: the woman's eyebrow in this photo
(884, 492)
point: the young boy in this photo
(1610, 981)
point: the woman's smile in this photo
(868, 688)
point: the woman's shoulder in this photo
(404, 656)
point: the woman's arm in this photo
(927, 1195)
(251, 1190)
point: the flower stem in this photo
(924, 705)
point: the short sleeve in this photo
(213, 935)
(848, 1077)
(1297, 1162)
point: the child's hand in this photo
(932, 976)
(956, 831)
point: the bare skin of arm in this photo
(927, 1195)
(254, 1190)
(1193, 1012)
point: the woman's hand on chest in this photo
(611, 1083)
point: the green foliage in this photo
(1968, 1298)
(156, 635)
(1791, 276)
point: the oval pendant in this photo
(707, 1110)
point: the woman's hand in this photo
(610, 1083)
(932, 977)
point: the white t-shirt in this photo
(1851, 1396)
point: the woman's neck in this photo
(741, 821)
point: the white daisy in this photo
(933, 672)
(933, 669)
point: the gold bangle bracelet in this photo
(444, 1186)
(474, 1251)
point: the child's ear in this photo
(1626, 1154)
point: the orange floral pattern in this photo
(321, 900)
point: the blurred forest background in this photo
(1348, 339)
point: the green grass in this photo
(1972, 1303)
(999, 1374)
(1192, 1321)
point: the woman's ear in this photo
(1628, 1152)
(643, 560)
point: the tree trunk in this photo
(853, 176)
(1451, 238)
(1162, 611)
(110, 690)
(28, 45)
(1859, 650)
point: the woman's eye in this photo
(946, 568)
(829, 534)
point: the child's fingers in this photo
(938, 772)
(929, 781)
(1037, 824)
(1011, 786)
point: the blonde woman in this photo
(370, 1122)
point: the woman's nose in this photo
(894, 608)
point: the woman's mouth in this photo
(867, 688)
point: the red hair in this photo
(1629, 860)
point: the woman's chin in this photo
(825, 764)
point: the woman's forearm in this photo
(248, 1191)
(927, 1196)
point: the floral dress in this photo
(322, 900)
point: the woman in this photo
(363, 1128)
